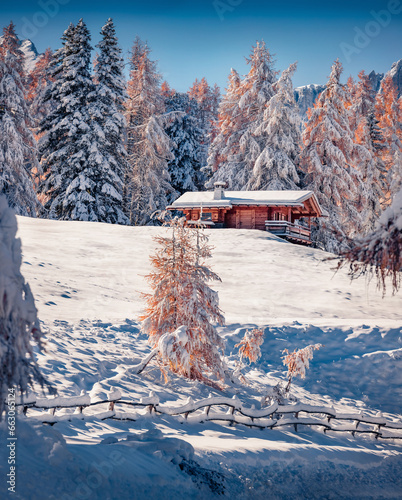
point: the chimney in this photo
(219, 193)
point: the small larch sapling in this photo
(298, 362)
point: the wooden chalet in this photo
(284, 213)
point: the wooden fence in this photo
(216, 409)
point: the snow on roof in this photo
(230, 198)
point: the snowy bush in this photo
(19, 324)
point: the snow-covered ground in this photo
(87, 279)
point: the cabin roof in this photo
(236, 198)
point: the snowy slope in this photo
(81, 270)
(87, 279)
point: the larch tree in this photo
(257, 89)
(215, 102)
(147, 182)
(166, 91)
(379, 253)
(225, 144)
(243, 110)
(366, 157)
(19, 324)
(18, 153)
(327, 162)
(182, 309)
(389, 115)
(207, 100)
(187, 137)
(279, 137)
(39, 81)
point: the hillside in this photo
(82, 270)
(87, 280)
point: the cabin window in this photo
(206, 216)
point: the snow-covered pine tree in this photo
(366, 155)
(328, 165)
(279, 139)
(147, 183)
(107, 108)
(39, 81)
(82, 180)
(230, 125)
(54, 143)
(187, 136)
(18, 153)
(389, 115)
(19, 324)
(181, 297)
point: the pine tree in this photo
(19, 324)
(147, 182)
(181, 297)
(107, 108)
(328, 164)
(187, 136)
(54, 143)
(82, 178)
(279, 139)
(18, 154)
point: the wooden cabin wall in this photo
(244, 217)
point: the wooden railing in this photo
(288, 229)
(218, 409)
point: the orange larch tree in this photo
(389, 116)
(147, 185)
(166, 91)
(182, 310)
(229, 119)
(298, 362)
(327, 161)
(367, 153)
(39, 81)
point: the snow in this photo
(94, 271)
(87, 279)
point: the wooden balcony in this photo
(289, 231)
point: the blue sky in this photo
(206, 38)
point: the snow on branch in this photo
(249, 347)
(298, 361)
(379, 253)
